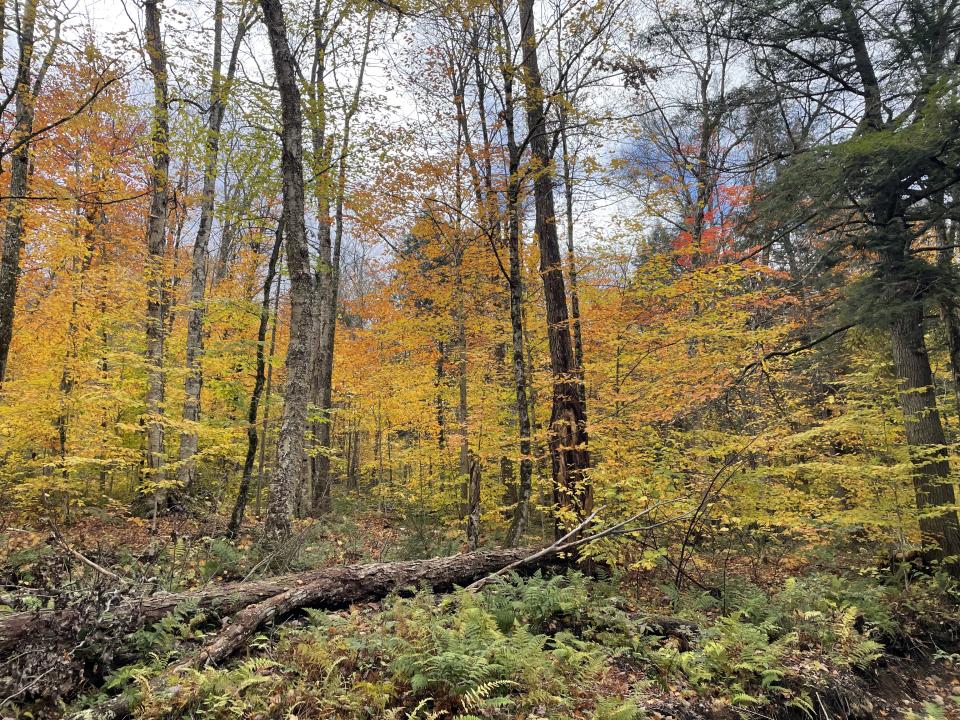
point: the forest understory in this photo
(543, 641)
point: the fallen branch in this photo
(58, 537)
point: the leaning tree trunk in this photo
(156, 247)
(240, 507)
(290, 450)
(19, 177)
(573, 494)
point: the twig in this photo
(81, 557)
(556, 547)
(561, 545)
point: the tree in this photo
(220, 85)
(568, 419)
(19, 176)
(157, 293)
(290, 450)
(872, 182)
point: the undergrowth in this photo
(548, 647)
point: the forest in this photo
(463, 359)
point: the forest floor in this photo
(795, 639)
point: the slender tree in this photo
(219, 89)
(19, 178)
(573, 493)
(290, 450)
(156, 321)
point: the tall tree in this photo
(19, 178)
(331, 244)
(573, 493)
(219, 90)
(156, 321)
(874, 177)
(290, 450)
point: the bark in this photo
(328, 290)
(219, 87)
(473, 516)
(156, 247)
(239, 508)
(19, 180)
(322, 167)
(290, 450)
(575, 325)
(265, 423)
(573, 494)
(933, 485)
(521, 512)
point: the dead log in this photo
(50, 654)
(74, 639)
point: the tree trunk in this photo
(236, 518)
(322, 170)
(19, 180)
(948, 307)
(521, 512)
(290, 450)
(931, 470)
(473, 516)
(156, 248)
(265, 423)
(33, 642)
(571, 257)
(328, 286)
(573, 495)
(193, 381)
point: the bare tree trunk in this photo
(933, 484)
(328, 287)
(264, 425)
(19, 179)
(219, 87)
(573, 494)
(473, 516)
(521, 512)
(571, 256)
(236, 518)
(290, 450)
(156, 249)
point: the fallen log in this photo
(48, 665)
(48, 653)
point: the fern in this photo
(477, 697)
